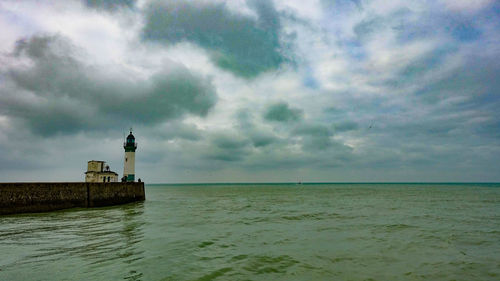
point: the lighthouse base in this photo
(130, 178)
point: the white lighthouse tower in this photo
(129, 165)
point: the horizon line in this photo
(298, 183)
(285, 182)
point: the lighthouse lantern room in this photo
(129, 165)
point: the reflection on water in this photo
(95, 238)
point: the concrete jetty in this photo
(33, 197)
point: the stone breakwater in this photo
(45, 196)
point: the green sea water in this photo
(265, 232)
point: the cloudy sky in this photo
(252, 90)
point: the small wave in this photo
(133, 275)
(205, 244)
(215, 274)
(336, 259)
(399, 226)
(239, 257)
(267, 264)
(259, 219)
(314, 216)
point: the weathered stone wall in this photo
(42, 197)
(110, 193)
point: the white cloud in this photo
(466, 5)
(308, 10)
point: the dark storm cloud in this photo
(246, 126)
(345, 126)
(170, 95)
(281, 112)
(315, 137)
(315, 130)
(238, 43)
(262, 139)
(227, 148)
(314, 140)
(53, 92)
(177, 130)
(109, 4)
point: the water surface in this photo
(265, 232)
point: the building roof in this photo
(103, 172)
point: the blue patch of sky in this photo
(355, 49)
(434, 25)
(494, 12)
(310, 82)
(347, 4)
(308, 79)
(463, 30)
(341, 6)
(407, 32)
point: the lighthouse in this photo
(129, 165)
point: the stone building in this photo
(98, 171)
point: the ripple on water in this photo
(398, 227)
(239, 257)
(205, 244)
(214, 274)
(314, 216)
(269, 264)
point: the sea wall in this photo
(43, 197)
(114, 193)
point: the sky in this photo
(252, 90)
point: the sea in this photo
(265, 232)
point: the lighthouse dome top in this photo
(130, 136)
(130, 144)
